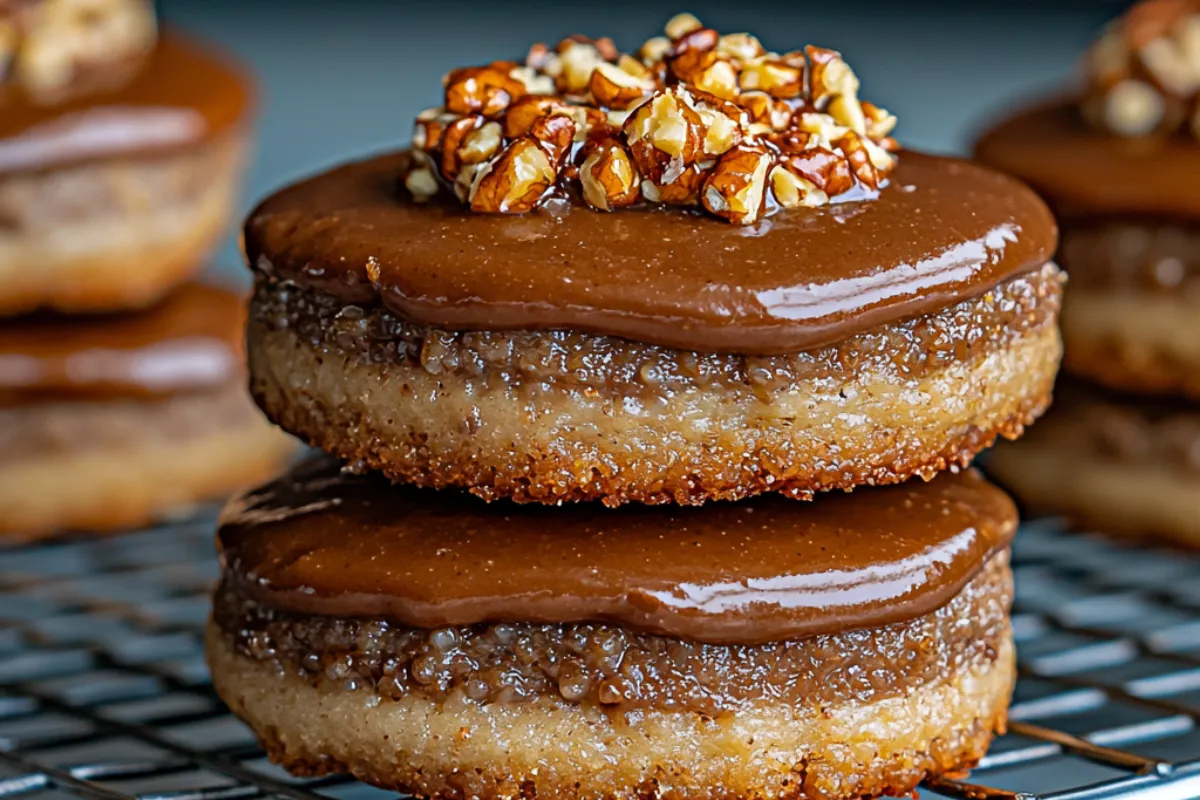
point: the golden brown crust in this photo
(1143, 342)
(1111, 463)
(463, 749)
(115, 483)
(113, 234)
(440, 412)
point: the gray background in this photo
(343, 78)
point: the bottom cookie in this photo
(431, 644)
(549, 748)
(1110, 463)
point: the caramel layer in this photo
(180, 94)
(1082, 172)
(191, 340)
(942, 231)
(767, 569)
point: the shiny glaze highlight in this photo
(191, 340)
(941, 232)
(178, 95)
(767, 569)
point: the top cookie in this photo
(648, 314)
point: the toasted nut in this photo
(824, 168)
(665, 130)
(608, 176)
(879, 123)
(693, 53)
(452, 141)
(429, 128)
(483, 90)
(1133, 108)
(481, 143)
(682, 190)
(831, 76)
(421, 183)
(681, 25)
(533, 81)
(514, 181)
(723, 122)
(718, 78)
(766, 110)
(463, 184)
(861, 164)
(793, 191)
(64, 37)
(579, 60)
(588, 121)
(741, 47)
(539, 56)
(654, 50)
(823, 126)
(604, 45)
(697, 119)
(736, 187)
(554, 133)
(522, 114)
(1173, 59)
(613, 87)
(773, 77)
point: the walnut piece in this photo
(608, 176)
(515, 181)
(1142, 76)
(46, 45)
(736, 187)
(697, 118)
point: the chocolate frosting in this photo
(323, 543)
(942, 231)
(180, 94)
(1083, 172)
(191, 340)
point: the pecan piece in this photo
(613, 87)
(514, 181)
(483, 90)
(736, 187)
(608, 176)
(452, 139)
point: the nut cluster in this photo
(694, 118)
(46, 45)
(1143, 73)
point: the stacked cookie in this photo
(120, 149)
(588, 358)
(1118, 162)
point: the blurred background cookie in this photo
(120, 154)
(115, 422)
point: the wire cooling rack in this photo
(104, 693)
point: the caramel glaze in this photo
(319, 542)
(191, 340)
(942, 231)
(1085, 173)
(179, 94)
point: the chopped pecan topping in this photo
(46, 45)
(696, 118)
(1142, 76)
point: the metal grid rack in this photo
(104, 694)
